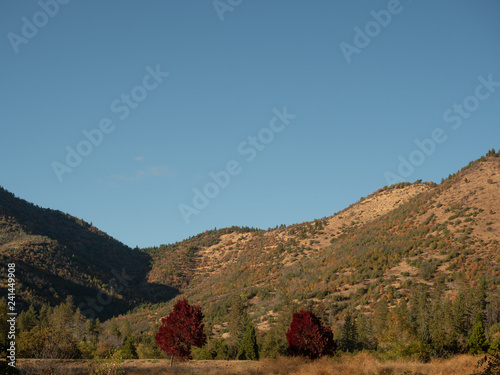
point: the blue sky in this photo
(171, 91)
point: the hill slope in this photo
(441, 235)
(57, 255)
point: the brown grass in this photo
(366, 364)
(360, 364)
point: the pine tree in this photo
(477, 341)
(366, 335)
(461, 317)
(349, 334)
(237, 322)
(249, 350)
(443, 336)
(93, 329)
(128, 350)
(4, 327)
(275, 343)
(380, 319)
(45, 315)
(28, 319)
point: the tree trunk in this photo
(171, 361)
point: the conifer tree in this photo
(249, 350)
(128, 350)
(4, 327)
(366, 335)
(477, 341)
(380, 318)
(28, 319)
(349, 334)
(237, 322)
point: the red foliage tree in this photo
(180, 330)
(308, 338)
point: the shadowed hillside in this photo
(57, 255)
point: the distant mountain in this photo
(57, 255)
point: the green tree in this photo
(48, 342)
(237, 322)
(443, 336)
(349, 334)
(4, 327)
(366, 335)
(249, 350)
(461, 318)
(275, 343)
(44, 315)
(126, 329)
(93, 329)
(477, 341)
(62, 317)
(380, 319)
(128, 350)
(27, 319)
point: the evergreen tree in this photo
(349, 334)
(4, 327)
(249, 350)
(380, 318)
(366, 334)
(93, 329)
(443, 336)
(477, 341)
(126, 330)
(128, 350)
(461, 316)
(63, 314)
(275, 343)
(237, 322)
(44, 315)
(222, 350)
(28, 319)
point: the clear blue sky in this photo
(228, 71)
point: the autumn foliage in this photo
(308, 337)
(181, 330)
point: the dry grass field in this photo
(361, 364)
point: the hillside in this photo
(443, 236)
(57, 255)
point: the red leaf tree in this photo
(180, 330)
(308, 338)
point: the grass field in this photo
(361, 364)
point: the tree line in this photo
(427, 324)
